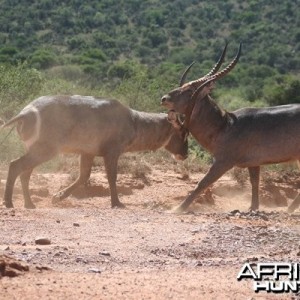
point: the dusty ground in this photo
(143, 251)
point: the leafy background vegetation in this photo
(136, 50)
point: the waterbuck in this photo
(90, 127)
(246, 138)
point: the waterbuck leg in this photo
(86, 163)
(254, 180)
(29, 161)
(214, 173)
(295, 204)
(111, 165)
(25, 177)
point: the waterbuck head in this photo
(178, 142)
(179, 99)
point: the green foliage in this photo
(136, 51)
(152, 31)
(71, 73)
(283, 90)
(91, 61)
(252, 79)
(137, 91)
(8, 54)
(17, 85)
(233, 100)
(122, 70)
(43, 59)
(199, 155)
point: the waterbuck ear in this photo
(208, 88)
(173, 118)
(203, 90)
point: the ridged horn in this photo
(229, 67)
(221, 73)
(219, 62)
(211, 72)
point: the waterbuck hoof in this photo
(178, 210)
(118, 205)
(56, 198)
(291, 209)
(253, 208)
(8, 204)
(29, 206)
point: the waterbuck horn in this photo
(182, 80)
(205, 87)
(229, 67)
(221, 73)
(219, 62)
(211, 72)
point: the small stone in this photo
(234, 212)
(94, 270)
(81, 259)
(4, 248)
(43, 268)
(42, 241)
(198, 264)
(105, 253)
(238, 227)
(76, 224)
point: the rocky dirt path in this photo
(143, 251)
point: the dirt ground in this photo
(90, 251)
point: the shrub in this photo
(43, 59)
(17, 85)
(282, 90)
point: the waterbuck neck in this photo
(208, 120)
(152, 131)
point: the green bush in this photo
(17, 85)
(124, 70)
(43, 59)
(8, 54)
(282, 90)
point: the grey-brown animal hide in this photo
(90, 127)
(246, 138)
